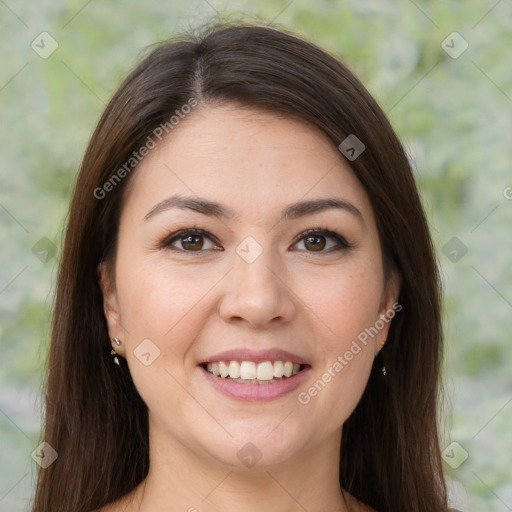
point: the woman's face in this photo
(247, 286)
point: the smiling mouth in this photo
(250, 372)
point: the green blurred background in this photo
(451, 106)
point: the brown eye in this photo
(190, 240)
(315, 242)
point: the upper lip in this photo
(258, 356)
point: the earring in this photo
(383, 366)
(116, 359)
(114, 353)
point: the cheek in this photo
(345, 304)
(158, 300)
(346, 310)
(163, 304)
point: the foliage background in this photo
(453, 115)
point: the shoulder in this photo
(116, 506)
(111, 507)
(126, 503)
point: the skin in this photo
(296, 296)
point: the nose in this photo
(256, 293)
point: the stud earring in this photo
(114, 353)
(116, 359)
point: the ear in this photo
(110, 304)
(389, 307)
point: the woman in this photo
(247, 313)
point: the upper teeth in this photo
(249, 370)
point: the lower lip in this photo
(256, 392)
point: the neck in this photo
(192, 481)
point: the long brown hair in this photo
(96, 420)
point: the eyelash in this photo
(341, 241)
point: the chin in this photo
(257, 447)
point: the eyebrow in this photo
(214, 209)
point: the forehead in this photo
(254, 161)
